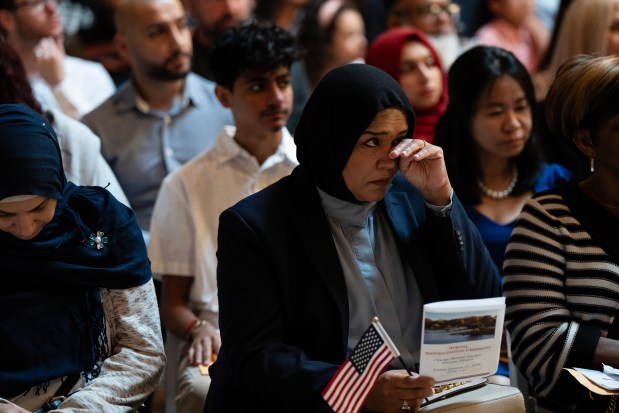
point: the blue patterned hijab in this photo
(51, 317)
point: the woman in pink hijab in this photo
(409, 58)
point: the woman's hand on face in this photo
(205, 341)
(11, 408)
(395, 386)
(423, 165)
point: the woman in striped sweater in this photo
(561, 272)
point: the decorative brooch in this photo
(97, 240)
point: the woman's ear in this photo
(584, 142)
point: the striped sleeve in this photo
(561, 293)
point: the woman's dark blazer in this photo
(282, 295)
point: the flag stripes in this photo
(355, 378)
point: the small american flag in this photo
(349, 387)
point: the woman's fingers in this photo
(407, 148)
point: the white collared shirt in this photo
(186, 215)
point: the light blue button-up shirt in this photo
(143, 145)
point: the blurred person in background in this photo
(94, 40)
(210, 18)
(287, 14)
(557, 22)
(332, 34)
(409, 58)
(586, 26)
(437, 19)
(514, 27)
(70, 84)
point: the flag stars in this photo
(367, 346)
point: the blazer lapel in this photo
(400, 214)
(407, 224)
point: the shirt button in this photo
(169, 152)
(167, 120)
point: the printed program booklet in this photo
(461, 338)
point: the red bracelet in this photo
(191, 324)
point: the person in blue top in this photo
(491, 150)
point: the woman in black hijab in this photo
(366, 226)
(72, 259)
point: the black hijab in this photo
(341, 107)
(51, 317)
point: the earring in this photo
(592, 164)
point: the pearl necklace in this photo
(498, 195)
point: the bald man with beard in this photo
(165, 114)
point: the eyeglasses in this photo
(433, 10)
(36, 6)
